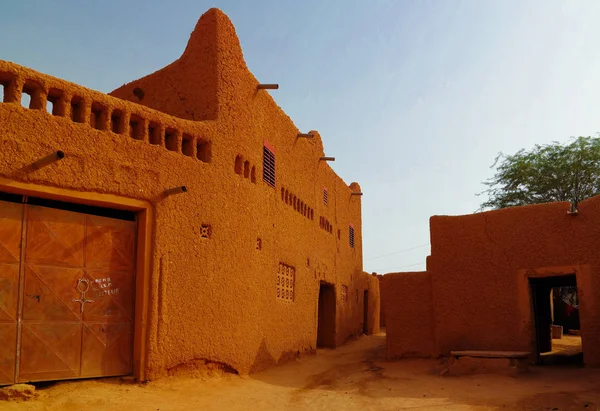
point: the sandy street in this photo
(354, 377)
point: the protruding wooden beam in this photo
(49, 159)
(356, 193)
(268, 86)
(175, 190)
(327, 158)
(304, 135)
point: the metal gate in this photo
(66, 294)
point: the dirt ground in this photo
(353, 377)
(567, 345)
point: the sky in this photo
(414, 98)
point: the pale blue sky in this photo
(413, 98)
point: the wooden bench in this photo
(518, 360)
(490, 354)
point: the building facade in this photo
(180, 219)
(489, 282)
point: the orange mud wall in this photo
(479, 269)
(406, 299)
(381, 278)
(216, 250)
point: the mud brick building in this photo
(489, 279)
(180, 219)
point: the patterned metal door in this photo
(107, 341)
(11, 221)
(50, 339)
(76, 303)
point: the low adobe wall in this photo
(475, 294)
(382, 312)
(480, 267)
(374, 319)
(408, 307)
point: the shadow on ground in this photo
(353, 377)
(360, 369)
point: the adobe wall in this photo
(381, 279)
(374, 319)
(480, 265)
(409, 314)
(210, 298)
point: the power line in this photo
(397, 268)
(397, 252)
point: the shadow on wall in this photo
(264, 359)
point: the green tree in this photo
(552, 172)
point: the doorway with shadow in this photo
(556, 320)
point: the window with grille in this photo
(286, 278)
(268, 166)
(344, 293)
(351, 236)
(325, 195)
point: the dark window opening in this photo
(98, 117)
(154, 136)
(325, 196)
(205, 231)
(32, 91)
(203, 150)
(187, 145)
(351, 236)
(239, 164)
(136, 127)
(7, 88)
(246, 169)
(117, 122)
(171, 139)
(77, 110)
(56, 103)
(269, 167)
(26, 99)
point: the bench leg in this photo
(523, 364)
(520, 365)
(446, 370)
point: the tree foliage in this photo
(553, 172)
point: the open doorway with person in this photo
(556, 320)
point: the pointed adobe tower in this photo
(198, 84)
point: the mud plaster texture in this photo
(480, 266)
(381, 278)
(210, 299)
(408, 307)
